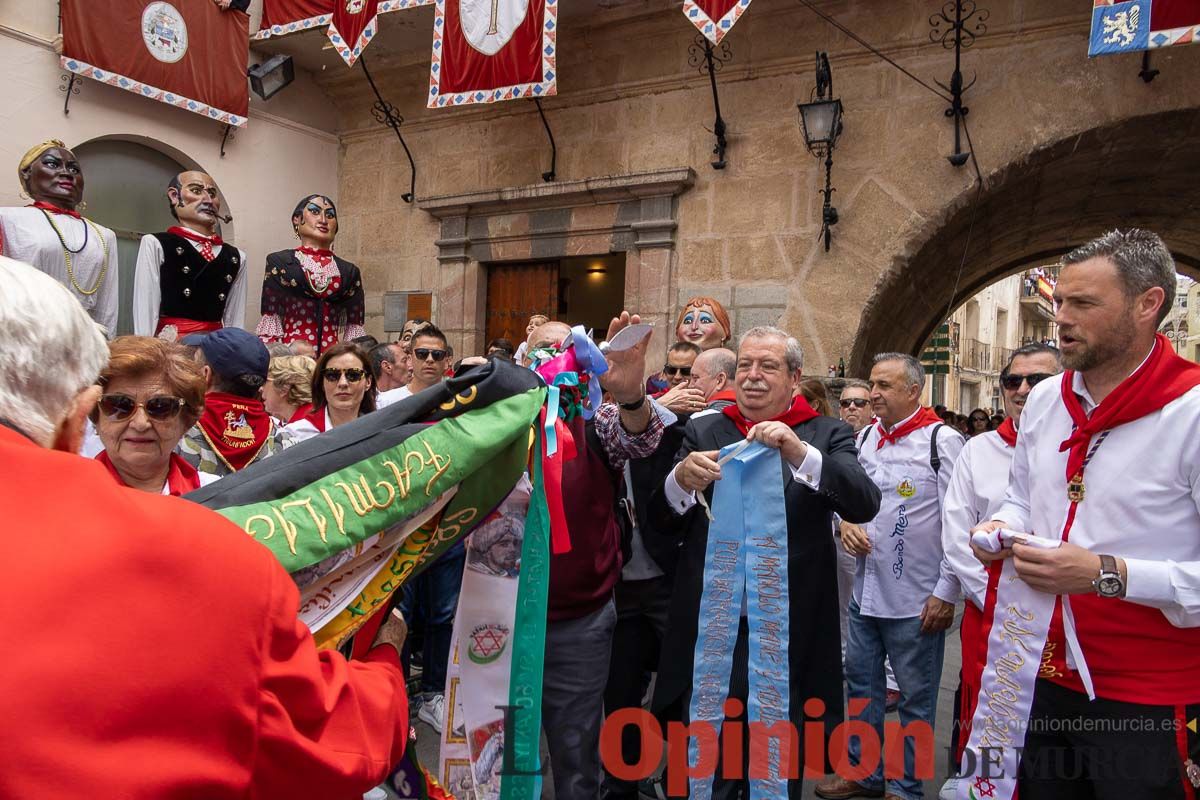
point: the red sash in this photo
(724, 394)
(236, 428)
(186, 326)
(1134, 653)
(923, 418)
(192, 235)
(799, 411)
(181, 476)
(1008, 432)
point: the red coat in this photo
(152, 650)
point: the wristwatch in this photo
(1109, 583)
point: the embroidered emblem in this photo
(906, 488)
(1193, 772)
(487, 643)
(237, 430)
(355, 6)
(1122, 27)
(983, 788)
(164, 32)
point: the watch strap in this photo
(1108, 564)
(635, 405)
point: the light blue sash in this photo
(747, 552)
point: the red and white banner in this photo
(485, 51)
(190, 54)
(353, 26)
(281, 17)
(714, 18)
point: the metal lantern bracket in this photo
(820, 145)
(225, 137)
(385, 114)
(1147, 74)
(706, 58)
(956, 27)
(70, 84)
(551, 174)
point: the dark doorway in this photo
(580, 290)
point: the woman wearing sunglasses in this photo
(153, 393)
(980, 422)
(342, 391)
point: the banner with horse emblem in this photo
(1127, 27)
(189, 55)
(714, 18)
(485, 51)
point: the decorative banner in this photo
(354, 513)
(281, 17)
(714, 18)
(190, 54)
(353, 26)
(485, 51)
(1126, 27)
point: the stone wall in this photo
(629, 102)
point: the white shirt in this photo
(1142, 494)
(25, 235)
(147, 288)
(385, 399)
(977, 489)
(904, 566)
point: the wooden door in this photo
(515, 292)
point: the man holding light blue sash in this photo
(754, 616)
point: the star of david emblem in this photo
(487, 643)
(985, 787)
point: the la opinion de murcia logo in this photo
(164, 32)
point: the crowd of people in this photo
(883, 502)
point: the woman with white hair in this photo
(198, 671)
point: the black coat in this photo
(814, 649)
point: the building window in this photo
(399, 307)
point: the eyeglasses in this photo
(857, 402)
(160, 408)
(425, 354)
(670, 370)
(980, 419)
(335, 375)
(1013, 382)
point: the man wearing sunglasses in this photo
(429, 356)
(976, 491)
(235, 429)
(198, 670)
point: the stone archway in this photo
(1141, 171)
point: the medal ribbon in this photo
(746, 552)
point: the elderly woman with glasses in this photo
(153, 393)
(287, 394)
(342, 391)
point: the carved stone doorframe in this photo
(635, 214)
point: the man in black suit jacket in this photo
(822, 476)
(233, 5)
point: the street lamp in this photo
(272, 76)
(821, 122)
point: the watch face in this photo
(1109, 586)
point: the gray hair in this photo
(50, 350)
(1033, 349)
(794, 353)
(280, 350)
(855, 383)
(912, 368)
(722, 361)
(1141, 258)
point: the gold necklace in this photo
(67, 253)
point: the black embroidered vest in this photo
(193, 288)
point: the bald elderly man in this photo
(188, 280)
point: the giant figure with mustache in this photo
(53, 236)
(309, 294)
(188, 280)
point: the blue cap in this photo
(193, 339)
(233, 352)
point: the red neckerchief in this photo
(236, 428)
(724, 394)
(53, 209)
(302, 412)
(317, 417)
(1008, 432)
(181, 476)
(187, 233)
(1163, 378)
(922, 419)
(322, 257)
(799, 411)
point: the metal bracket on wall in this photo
(548, 176)
(706, 58)
(956, 27)
(225, 137)
(385, 114)
(1147, 74)
(68, 85)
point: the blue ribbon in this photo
(592, 361)
(746, 552)
(551, 416)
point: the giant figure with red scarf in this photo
(53, 236)
(188, 280)
(309, 294)
(821, 475)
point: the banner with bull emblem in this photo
(1127, 27)
(714, 18)
(485, 51)
(282, 17)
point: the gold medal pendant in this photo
(1193, 773)
(1075, 490)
